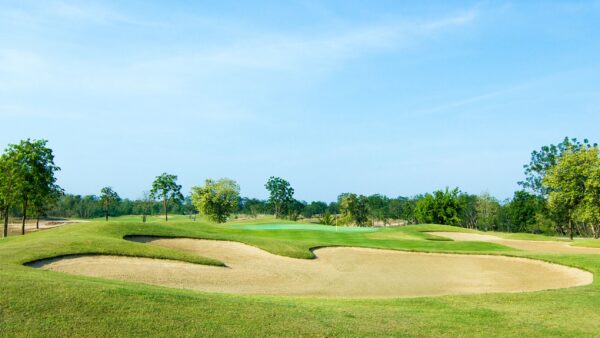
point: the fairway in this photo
(336, 272)
(310, 227)
(208, 279)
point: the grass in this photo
(44, 303)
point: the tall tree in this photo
(108, 197)
(441, 207)
(34, 169)
(521, 211)
(43, 200)
(217, 199)
(487, 211)
(165, 187)
(7, 189)
(544, 159)
(567, 181)
(589, 208)
(281, 195)
(354, 208)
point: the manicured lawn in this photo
(44, 303)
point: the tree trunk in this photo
(5, 222)
(24, 216)
(37, 222)
(166, 212)
(570, 228)
(106, 211)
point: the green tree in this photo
(487, 211)
(589, 208)
(165, 187)
(441, 207)
(7, 189)
(217, 199)
(314, 208)
(281, 195)
(378, 206)
(521, 211)
(44, 200)
(567, 182)
(544, 159)
(354, 208)
(468, 210)
(108, 197)
(33, 169)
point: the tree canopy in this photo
(281, 195)
(165, 188)
(217, 199)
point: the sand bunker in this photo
(539, 246)
(337, 272)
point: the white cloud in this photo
(288, 51)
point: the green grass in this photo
(35, 302)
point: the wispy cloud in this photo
(286, 51)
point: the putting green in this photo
(315, 227)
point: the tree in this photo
(379, 207)
(165, 187)
(146, 205)
(33, 168)
(567, 182)
(589, 209)
(521, 211)
(544, 159)
(217, 199)
(7, 189)
(108, 197)
(487, 211)
(314, 208)
(441, 207)
(281, 195)
(468, 214)
(354, 208)
(43, 200)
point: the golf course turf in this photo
(47, 303)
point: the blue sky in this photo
(360, 96)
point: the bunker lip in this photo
(338, 272)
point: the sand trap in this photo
(338, 272)
(539, 246)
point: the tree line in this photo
(561, 194)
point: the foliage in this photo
(217, 199)
(165, 187)
(573, 186)
(487, 209)
(522, 211)
(441, 207)
(545, 158)
(31, 172)
(327, 219)
(281, 195)
(354, 208)
(107, 197)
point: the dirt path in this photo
(338, 272)
(539, 246)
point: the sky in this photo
(391, 97)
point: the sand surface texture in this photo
(539, 246)
(337, 272)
